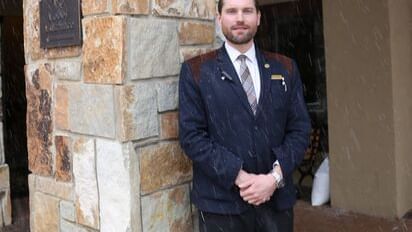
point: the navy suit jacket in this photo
(220, 134)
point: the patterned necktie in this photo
(247, 83)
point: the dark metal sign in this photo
(59, 23)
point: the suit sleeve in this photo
(214, 160)
(290, 153)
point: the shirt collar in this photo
(234, 53)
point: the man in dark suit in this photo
(243, 122)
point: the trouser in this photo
(258, 219)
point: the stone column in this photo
(102, 117)
(368, 65)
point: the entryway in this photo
(295, 29)
(13, 111)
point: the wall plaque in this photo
(59, 23)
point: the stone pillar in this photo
(102, 117)
(368, 65)
(5, 203)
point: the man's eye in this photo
(231, 11)
(248, 10)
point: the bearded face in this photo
(239, 20)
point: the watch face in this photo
(281, 184)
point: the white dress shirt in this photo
(251, 63)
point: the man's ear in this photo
(258, 15)
(218, 18)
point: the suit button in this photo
(256, 128)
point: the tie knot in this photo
(242, 58)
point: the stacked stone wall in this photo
(102, 117)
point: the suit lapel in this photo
(226, 66)
(264, 71)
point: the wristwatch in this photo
(278, 178)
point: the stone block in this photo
(63, 158)
(167, 210)
(190, 52)
(91, 109)
(61, 108)
(151, 55)
(130, 6)
(67, 70)
(167, 95)
(67, 211)
(94, 7)
(138, 111)
(39, 118)
(4, 177)
(5, 203)
(66, 226)
(104, 49)
(191, 33)
(163, 165)
(118, 182)
(52, 187)
(45, 213)
(5, 207)
(31, 26)
(202, 9)
(169, 125)
(85, 181)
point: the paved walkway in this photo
(307, 219)
(326, 219)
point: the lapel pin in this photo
(267, 66)
(226, 75)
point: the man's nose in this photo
(240, 16)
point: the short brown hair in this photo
(220, 5)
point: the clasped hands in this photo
(255, 188)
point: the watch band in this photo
(278, 177)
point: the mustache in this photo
(239, 26)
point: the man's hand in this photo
(257, 189)
(242, 177)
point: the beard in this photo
(239, 39)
